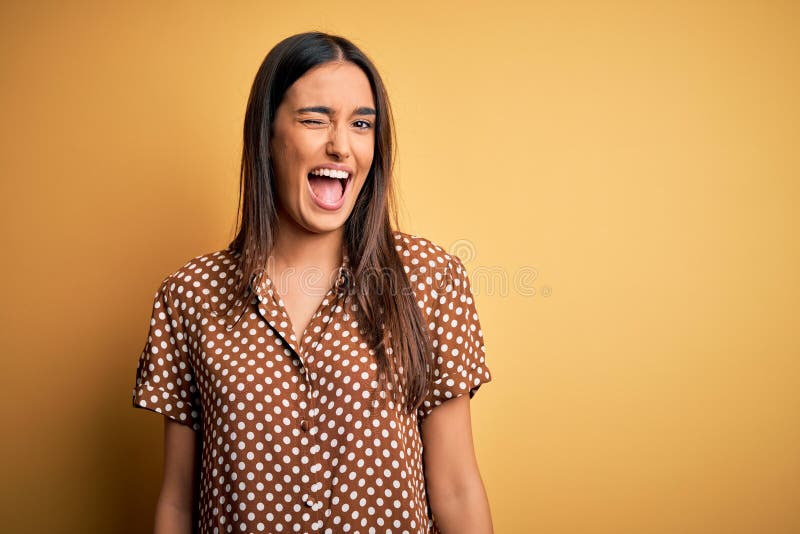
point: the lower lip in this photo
(333, 206)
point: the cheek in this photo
(365, 152)
(285, 159)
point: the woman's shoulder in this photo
(417, 246)
(423, 257)
(201, 274)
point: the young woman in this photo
(303, 370)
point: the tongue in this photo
(326, 189)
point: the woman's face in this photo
(325, 121)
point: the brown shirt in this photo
(290, 441)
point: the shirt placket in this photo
(271, 307)
(313, 498)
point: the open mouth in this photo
(328, 185)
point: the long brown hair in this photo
(387, 312)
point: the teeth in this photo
(330, 173)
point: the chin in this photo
(320, 223)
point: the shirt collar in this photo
(271, 306)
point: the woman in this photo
(299, 368)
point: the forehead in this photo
(336, 84)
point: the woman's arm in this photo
(175, 504)
(455, 489)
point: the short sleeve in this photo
(165, 381)
(458, 356)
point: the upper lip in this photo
(334, 166)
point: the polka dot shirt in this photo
(292, 438)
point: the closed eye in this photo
(364, 125)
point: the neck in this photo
(298, 248)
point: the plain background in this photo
(637, 162)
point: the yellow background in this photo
(641, 158)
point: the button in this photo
(304, 425)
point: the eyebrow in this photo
(328, 111)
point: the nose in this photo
(338, 143)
